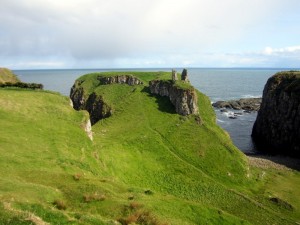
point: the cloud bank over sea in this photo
(157, 33)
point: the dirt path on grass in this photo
(274, 162)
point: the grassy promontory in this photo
(146, 165)
(7, 76)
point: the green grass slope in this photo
(7, 75)
(146, 165)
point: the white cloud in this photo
(282, 51)
(99, 33)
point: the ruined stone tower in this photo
(174, 75)
(184, 75)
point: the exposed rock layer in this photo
(120, 79)
(88, 129)
(184, 100)
(248, 104)
(277, 127)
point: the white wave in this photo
(220, 121)
(251, 96)
(228, 113)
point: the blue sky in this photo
(38, 34)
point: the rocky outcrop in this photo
(277, 127)
(94, 103)
(87, 126)
(184, 100)
(97, 108)
(247, 104)
(77, 96)
(119, 79)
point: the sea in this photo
(216, 83)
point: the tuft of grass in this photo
(60, 204)
(93, 197)
(148, 192)
(135, 214)
(77, 176)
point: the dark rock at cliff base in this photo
(277, 127)
(249, 104)
(185, 100)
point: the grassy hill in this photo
(6, 75)
(146, 165)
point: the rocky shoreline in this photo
(277, 162)
(247, 105)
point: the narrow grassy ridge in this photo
(146, 165)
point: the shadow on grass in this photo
(163, 102)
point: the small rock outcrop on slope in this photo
(277, 127)
(184, 100)
(94, 103)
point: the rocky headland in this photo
(7, 76)
(277, 127)
(9, 79)
(181, 94)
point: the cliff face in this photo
(93, 103)
(277, 127)
(184, 100)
